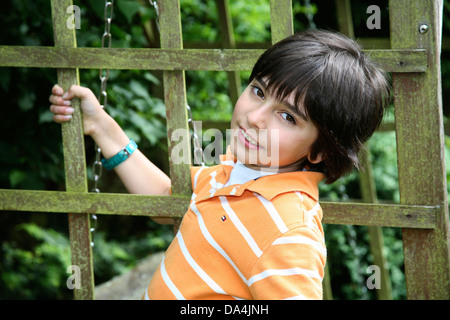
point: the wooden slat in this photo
(402, 216)
(366, 178)
(228, 42)
(74, 158)
(175, 101)
(344, 17)
(364, 214)
(120, 58)
(281, 19)
(93, 203)
(412, 60)
(420, 145)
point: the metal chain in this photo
(198, 150)
(103, 99)
(109, 5)
(155, 5)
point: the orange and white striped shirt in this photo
(259, 240)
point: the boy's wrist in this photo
(108, 135)
(100, 125)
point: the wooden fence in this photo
(414, 60)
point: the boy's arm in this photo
(138, 174)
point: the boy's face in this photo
(268, 134)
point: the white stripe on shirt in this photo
(228, 163)
(283, 272)
(198, 270)
(309, 215)
(169, 282)
(197, 175)
(212, 242)
(273, 213)
(241, 228)
(301, 240)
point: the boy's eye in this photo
(288, 117)
(258, 92)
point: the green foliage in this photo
(35, 255)
(37, 272)
(130, 104)
(40, 271)
(348, 246)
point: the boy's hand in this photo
(63, 110)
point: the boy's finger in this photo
(54, 99)
(58, 118)
(77, 91)
(57, 100)
(58, 110)
(57, 90)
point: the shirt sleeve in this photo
(292, 267)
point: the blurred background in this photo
(34, 247)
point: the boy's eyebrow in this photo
(262, 83)
(297, 111)
(292, 108)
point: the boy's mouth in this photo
(247, 140)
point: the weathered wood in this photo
(228, 42)
(420, 146)
(281, 19)
(379, 215)
(418, 121)
(74, 158)
(93, 203)
(376, 241)
(366, 179)
(344, 17)
(175, 100)
(402, 216)
(413, 60)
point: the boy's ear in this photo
(317, 159)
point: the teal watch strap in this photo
(120, 157)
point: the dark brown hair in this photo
(343, 93)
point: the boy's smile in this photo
(247, 140)
(268, 134)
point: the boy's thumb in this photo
(76, 91)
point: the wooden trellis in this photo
(414, 60)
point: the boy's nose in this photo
(258, 117)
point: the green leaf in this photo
(150, 77)
(26, 102)
(45, 117)
(16, 177)
(139, 89)
(129, 9)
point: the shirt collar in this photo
(303, 181)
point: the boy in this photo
(253, 229)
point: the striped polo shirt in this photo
(262, 239)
